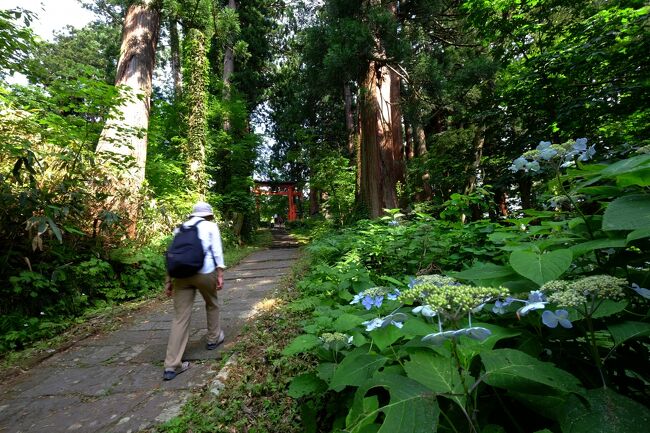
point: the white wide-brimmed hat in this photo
(201, 209)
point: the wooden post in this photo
(292, 205)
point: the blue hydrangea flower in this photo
(475, 333)
(533, 166)
(500, 306)
(588, 153)
(530, 307)
(439, 337)
(393, 296)
(396, 320)
(393, 223)
(580, 144)
(536, 296)
(641, 291)
(547, 154)
(543, 145)
(372, 301)
(518, 164)
(424, 310)
(552, 319)
(478, 308)
(373, 324)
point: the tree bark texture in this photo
(175, 47)
(228, 59)
(125, 133)
(314, 201)
(381, 165)
(349, 119)
(479, 141)
(380, 155)
(197, 103)
(420, 140)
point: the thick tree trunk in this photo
(175, 47)
(349, 119)
(228, 59)
(125, 133)
(479, 141)
(420, 140)
(409, 152)
(381, 163)
(197, 102)
(314, 201)
(526, 192)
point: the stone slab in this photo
(158, 407)
(287, 254)
(113, 383)
(84, 356)
(91, 381)
(256, 266)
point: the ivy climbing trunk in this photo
(125, 132)
(197, 103)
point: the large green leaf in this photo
(346, 322)
(418, 327)
(622, 332)
(514, 370)
(549, 405)
(306, 384)
(597, 244)
(355, 370)
(483, 271)
(605, 412)
(470, 348)
(635, 178)
(541, 267)
(384, 337)
(638, 234)
(437, 373)
(412, 407)
(626, 166)
(608, 308)
(631, 212)
(301, 343)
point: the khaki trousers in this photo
(184, 294)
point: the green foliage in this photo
(554, 367)
(15, 39)
(334, 176)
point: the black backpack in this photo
(185, 255)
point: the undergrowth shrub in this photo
(423, 323)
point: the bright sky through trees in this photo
(52, 15)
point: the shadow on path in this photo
(113, 382)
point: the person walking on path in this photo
(208, 280)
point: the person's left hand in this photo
(168, 289)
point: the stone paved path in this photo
(113, 383)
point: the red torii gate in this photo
(288, 189)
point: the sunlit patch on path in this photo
(114, 382)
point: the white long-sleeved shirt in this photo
(211, 241)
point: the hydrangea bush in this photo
(543, 318)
